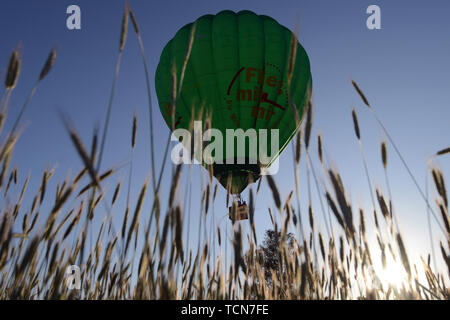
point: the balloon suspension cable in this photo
(237, 198)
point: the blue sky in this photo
(403, 69)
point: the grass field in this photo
(38, 245)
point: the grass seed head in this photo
(443, 151)
(124, 32)
(384, 154)
(361, 94)
(48, 64)
(356, 125)
(13, 72)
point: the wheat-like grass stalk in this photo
(34, 253)
(422, 194)
(310, 167)
(49, 63)
(443, 151)
(136, 215)
(123, 36)
(12, 75)
(147, 82)
(45, 70)
(296, 157)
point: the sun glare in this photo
(393, 275)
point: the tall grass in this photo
(144, 261)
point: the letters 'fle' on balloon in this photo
(243, 71)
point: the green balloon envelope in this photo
(244, 71)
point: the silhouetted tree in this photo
(271, 249)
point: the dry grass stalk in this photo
(384, 154)
(84, 156)
(319, 148)
(439, 182)
(356, 125)
(298, 146)
(133, 20)
(124, 31)
(443, 151)
(134, 131)
(383, 206)
(32, 264)
(308, 125)
(361, 94)
(403, 254)
(275, 193)
(49, 63)
(13, 72)
(311, 217)
(116, 193)
(100, 179)
(137, 211)
(444, 215)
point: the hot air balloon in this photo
(236, 71)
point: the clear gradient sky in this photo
(403, 69)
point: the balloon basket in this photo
(241, 211)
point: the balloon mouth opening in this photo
(235, 177)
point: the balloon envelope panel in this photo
(243, 71)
